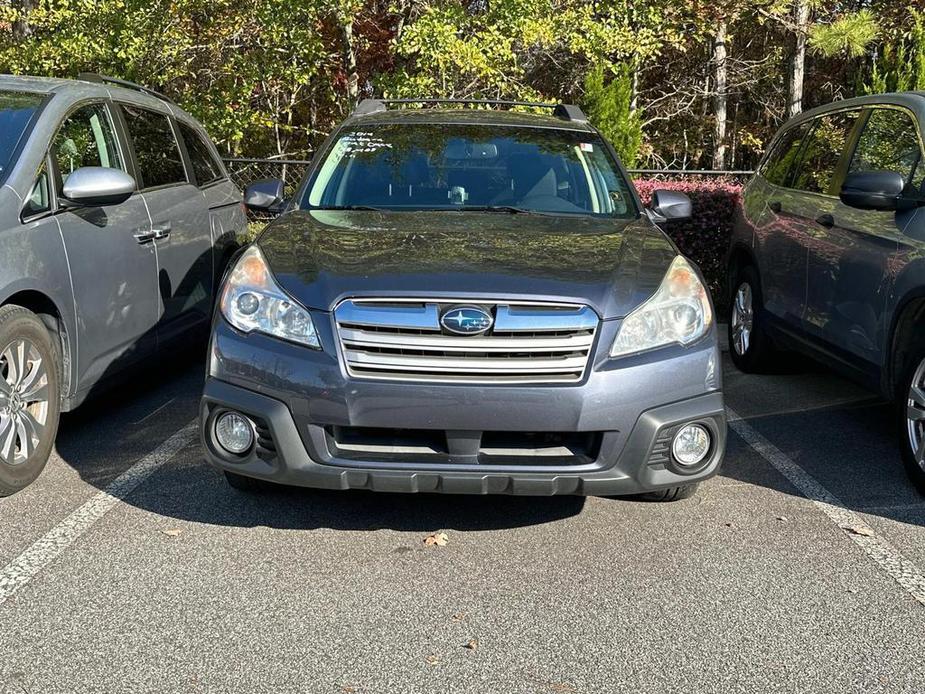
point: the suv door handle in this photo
(161, 231)
(775, 206)
(144, 237)
(826, 220)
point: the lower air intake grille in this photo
(527, 343)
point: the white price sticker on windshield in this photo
(586, 147)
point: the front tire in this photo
(671, 494)
(30, 398)
(749, 346)
(911, 411)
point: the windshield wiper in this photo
(509, 209)
(352, 208)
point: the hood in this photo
(322, 257)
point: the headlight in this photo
(678, 313)
(252, 301)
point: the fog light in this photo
(691, 445)
(234, 432)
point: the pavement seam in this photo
(52, 544)
(889, 559)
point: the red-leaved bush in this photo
(705, 236)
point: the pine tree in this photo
(609, 106)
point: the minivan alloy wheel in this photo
(915, 414)
(24, 404)
(743, 316)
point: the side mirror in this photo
(669, 205)
(94, 186)
(873, 190)
(264, 196)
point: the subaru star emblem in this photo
(466, 320)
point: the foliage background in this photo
(678, 84)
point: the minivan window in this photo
(205, 167)
(890, 142)
(39, 199)
(156, 149)
(17, 111)
(86, 138)
(823, 150)
(410, 167)
(780, 162)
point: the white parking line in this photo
(877, 548)
(47, 548)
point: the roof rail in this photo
(106, 79)
(563, 111)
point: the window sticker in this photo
(586, 147)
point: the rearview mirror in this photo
(93, 186)
(873, 190)
(265, 195)
(669, 205)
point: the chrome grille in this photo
(402, 340)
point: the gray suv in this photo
(827, 253)
(466, 300)
(116, 220)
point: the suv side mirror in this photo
(94, 186)
(669, 205)
(265, 195)
(873, 190)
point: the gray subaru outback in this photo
(827, 254)
(116, 216)
(465, 300)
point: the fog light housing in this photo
(234, 432)
(691, 445)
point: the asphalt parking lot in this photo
(131, 566)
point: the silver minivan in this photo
(117, 219)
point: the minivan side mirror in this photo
(873, 190)
(94, 186)
(669, 205)
(265, 195)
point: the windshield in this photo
(16, 112)
(470, 167)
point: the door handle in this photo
(161, 231)
(775, 206)
(826, 220)
(144, 237)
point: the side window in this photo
(86, 138)
(156, 149)
(780, 162)
(39, 199)
(890, 142)
(205, 167)
(824, 149)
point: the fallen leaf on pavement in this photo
(438, 539)
(858, 530)
(432, 659)
(460, 616)
(349, 689)
(172, 532)
(471, 644)
(782, 519)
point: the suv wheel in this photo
(749, 347)
(912, 419)
(671, 494)
(30, 400)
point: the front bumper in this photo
(296, 395)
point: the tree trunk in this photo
(21, 27)
(349, 59)
(801, 11)
(720, 97)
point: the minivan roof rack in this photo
(564, 111)
(106, 79)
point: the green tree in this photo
(608, 104)
(902, 65)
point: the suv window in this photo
(470, 167)
(890, 142)
(86, 138)
(824, 148)
(39, 199)
(780, 162)
(17, 111)
(205, 167)
(156, 149)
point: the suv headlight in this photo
(678, 313)
(253, 302)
